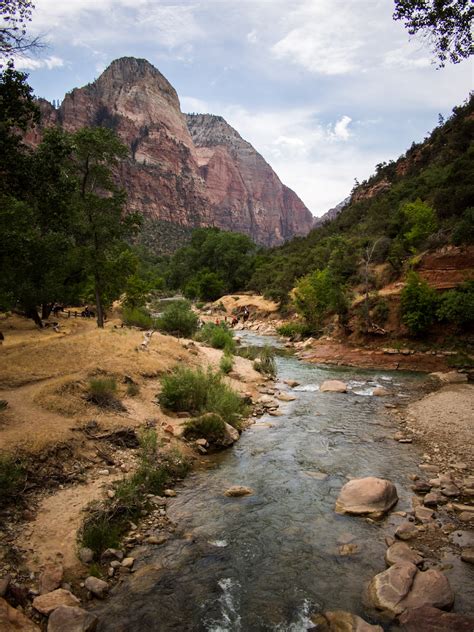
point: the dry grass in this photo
(260, 304)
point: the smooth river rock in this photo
(12, 620)
(340, 621)
(97, 586)
(367, 496)
(71, 619)
(333, 386)
(428, 619)
(238, 490)
(403, 586)
(400, 552)
(231, 435)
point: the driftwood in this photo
(143, 346)
(126, 437)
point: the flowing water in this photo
(266, 561)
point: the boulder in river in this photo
(340, 621)
(238, 490)
(368, 496)
(231, 435)
(380, 391)
(71, 619)
(429, 619)
(12, 620)
(400, 552)
(402, 587)
(333, 386)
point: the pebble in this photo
(128, 562)
(170, 493)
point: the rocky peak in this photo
(208, 130)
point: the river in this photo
(266, 561)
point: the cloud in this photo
(252, 37)
(28, 63)
(341, 128)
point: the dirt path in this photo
(51, 537)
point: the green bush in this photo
(12, 479)
(226, 363)
(293, 330)
(178, 319)
(319, 295)
(457, 306)
(418, 305)
(218, 336)
(199, 392)
(380, 311)
(137, 317)
(464, 230)
(99, 532)
(421, 220)
(102, 392)
(266, 361)
(209, 426)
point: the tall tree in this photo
(101, 224)
(446, 24)
(14, 18)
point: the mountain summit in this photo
(185, 170)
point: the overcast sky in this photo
(323, 89)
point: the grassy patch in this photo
(294, 330)
(178, 319)
(217, 336)
(137, 317)
(198, 392)
(266, 361)
(12, 479)
(226, 363)
(209, 426)
(106, 524)
(102, 392)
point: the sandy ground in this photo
(445, 421)
(256, 303)
(44, 376)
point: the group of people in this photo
(244, 315)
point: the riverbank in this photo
(81, 451)
(72, 452)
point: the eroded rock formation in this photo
(209, 177)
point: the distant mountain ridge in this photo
(183, 170)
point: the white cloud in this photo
(252, 37)
(29, 63)
(341, 128)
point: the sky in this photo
(323, 89)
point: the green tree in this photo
(421, 221)
(318, 295)
(100, 222)
(418, 305)
(446, 24)
(15, 16)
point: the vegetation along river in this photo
(265, 561)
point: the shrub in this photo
(421, 220)
(3, 405)
(318, 295)
(102, 392)
(218, 336)
(99, 532)
(293, 330)
(380, 311)
(199, 392)
(457, 306)
(266, 361)
(226, 363)
(209, 426)
(137, 317)
(418, 305)
(464, 230)
(132, 389)
(178, 318)
(12, 479)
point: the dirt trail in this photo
(51, 536)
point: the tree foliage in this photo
(318, 295)
(15, 16)
(446, 24)
(418, 305)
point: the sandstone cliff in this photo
(209, 177)
(245, 193)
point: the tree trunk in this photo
(46, 310)
(32, 313)
(98, 303)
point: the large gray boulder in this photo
(71, 619)
(402, 587)
(369, 496)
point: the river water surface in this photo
(266, 561)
